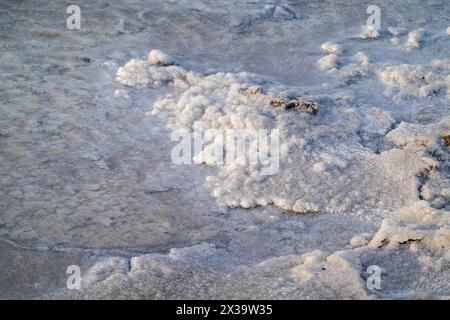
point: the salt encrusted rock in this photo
(302, 105)
(446, 139)
(133, 74)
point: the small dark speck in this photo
(86, 59)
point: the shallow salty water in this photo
(87, 177)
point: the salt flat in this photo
(87, 177)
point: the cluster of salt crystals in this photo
(156, 71)
(330, 61)
(369, 32)
(157, 57)
(133, 74)
(329, 48)
(220, 101)
(416, 80)
(314, 160)
(413, 40)
(359, 68)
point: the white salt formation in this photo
(416, 80)
(133, 74)
(222, 101)
(328, 62)
(329, 47)
(138, 73)
(228, 101)
(157, 57)
(359, 68)
(369, 32)
(415, 38)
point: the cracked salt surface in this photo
(87, 177)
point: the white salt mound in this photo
(325, 164)
(133, 74)
(328, 62)
(140, 73)
(329, 47)
(414, 38)
(359, 68)
(157, 57)
(358, 241)
(368, 32)
(416, 80)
